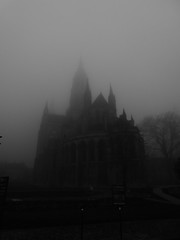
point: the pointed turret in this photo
(112, 102)
(132, 120)
(124, 114)
(110, 90)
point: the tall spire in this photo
(80, 90)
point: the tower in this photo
(80, 93)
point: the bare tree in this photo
(162, 133)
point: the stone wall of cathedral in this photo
(90, 146)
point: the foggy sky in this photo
(134, 45)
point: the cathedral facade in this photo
(89, 146)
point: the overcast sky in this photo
(134, 45)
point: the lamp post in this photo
(119, 200)
(82, 222)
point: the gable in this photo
(100, 103)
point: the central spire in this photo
(80, 88)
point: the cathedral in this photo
(90, 146)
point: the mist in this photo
(134, 45)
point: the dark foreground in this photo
(52, 212)
(52, 216)
(136, 230)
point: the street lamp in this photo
(82, 222)
(119, 200)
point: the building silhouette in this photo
(89, 146)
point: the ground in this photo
(156, 217)
(140, 230)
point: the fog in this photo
(134, 45)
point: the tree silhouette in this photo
(162, 133)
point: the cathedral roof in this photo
(100, 102)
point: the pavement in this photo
(136, 230)
(154, 229)
(171, 199)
